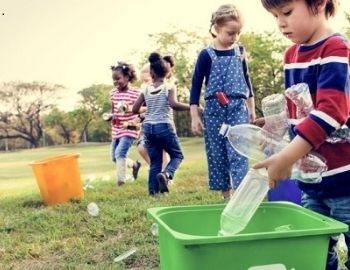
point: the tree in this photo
(21, 106)
(265, 58)
(61, 123)
(95, 101)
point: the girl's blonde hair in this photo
(223, 14)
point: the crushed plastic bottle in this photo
(154, 229)
(93, 209)
(122, 106)
(244, 202)
(88, 184)
(299, 94)
(125, 255)
(275, 113)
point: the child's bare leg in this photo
(143, 153)
(166, 160)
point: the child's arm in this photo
(137, 107)
(251, 109)
(279, 166)
(196, 123)
(176, 105)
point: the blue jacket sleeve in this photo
(201, 72)
(246, 73)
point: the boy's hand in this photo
(276, 169)
(260, 122)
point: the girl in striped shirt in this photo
(122, 98)
(160, 99)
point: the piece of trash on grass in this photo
(125, 255)
(93, 209)
(88, 184)
(154, 229)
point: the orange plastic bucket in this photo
(58, 178)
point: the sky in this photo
(74, 42)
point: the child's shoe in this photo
(135, 169)
(163, 181)
(120, 183)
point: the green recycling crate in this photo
(280, 236)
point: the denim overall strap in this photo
(224, 163)
(215, 74)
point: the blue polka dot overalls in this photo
(226, 167)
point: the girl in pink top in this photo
(122, 98)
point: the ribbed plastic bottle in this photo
(299, 94)
(244, 202)
(274, 108)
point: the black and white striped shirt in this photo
(158, 107)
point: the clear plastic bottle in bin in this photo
(244, 202)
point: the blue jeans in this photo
(161, 137)
(337, 208)
(120, 147)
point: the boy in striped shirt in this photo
(320, 58)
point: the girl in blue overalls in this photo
(228, 98)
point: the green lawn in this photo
(35, 236)
(65, 236)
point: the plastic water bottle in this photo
(252, 141)
(244, 202)
(299, 94)
(93, 209)
(274, 108)
(257, 144)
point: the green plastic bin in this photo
(280, 236)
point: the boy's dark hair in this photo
(158, 65)
(331, 5)
(126, 70)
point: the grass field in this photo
(35, 236)
(65, 236)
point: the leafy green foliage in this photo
(347, 30)
(265, 57)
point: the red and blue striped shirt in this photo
(324, 66)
